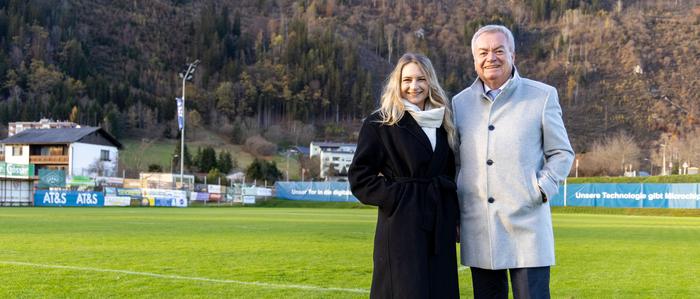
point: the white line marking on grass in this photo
(247, 283)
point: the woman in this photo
(405, 165)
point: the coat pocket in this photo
(535, 192)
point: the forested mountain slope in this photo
(293, 67)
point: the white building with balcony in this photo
(78, 151)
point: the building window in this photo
(104, 155)
(16, 150)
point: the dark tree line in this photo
(206, 160)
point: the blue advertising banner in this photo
(180, 113)
(629, 195)
(45, 198)
(315, 191)
(163, 202)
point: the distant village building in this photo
(158, 180)
(77, 151)
(16, 127)
(330, 153)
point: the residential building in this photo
(79, 151)
(16, 127)
(330, 153)
(315, 148)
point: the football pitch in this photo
(254, 252)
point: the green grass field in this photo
(280, 252)
(138, 154)
(692, 178)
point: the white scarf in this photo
(429, 119)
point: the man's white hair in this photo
(495, 28)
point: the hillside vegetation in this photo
(299, 70)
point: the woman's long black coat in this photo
(396, 169)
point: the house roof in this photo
(58, 136)
(302, 149)
(331, 144)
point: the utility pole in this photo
(186, 75)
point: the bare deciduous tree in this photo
(611, 156)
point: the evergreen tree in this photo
(263, 170)
(176, 158)
(207, 160)
(224, 163)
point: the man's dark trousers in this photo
(528, 283)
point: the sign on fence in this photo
(19, 171)
(51, 178)
(267, 192)
(81, 180)
(110, 181)
(248, 199)
(316, 191)
(134, 193)
(213, 188)
(117, 201)
(165, 197)
(629, 195)
(68, 199)
(199, 196)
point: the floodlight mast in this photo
(186, 75)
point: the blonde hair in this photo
(392, 108)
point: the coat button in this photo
(489, 162)
(491, 127)
(491, 200)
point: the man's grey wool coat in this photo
(512, 150)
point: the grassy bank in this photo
(138, 154)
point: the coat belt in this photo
(430, 204)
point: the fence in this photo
(629, 195)
(315, 191)
(593, 195)
(15, 192)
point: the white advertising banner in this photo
(214, 188)
(166, 197)
(117, 201)
(248, 199)
(263, 192)
(250, 191)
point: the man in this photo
(514, 151)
